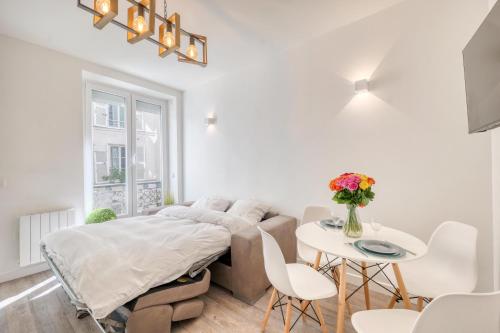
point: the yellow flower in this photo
(364, 185)
(363, 177)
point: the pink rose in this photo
(353, 186)
(356, 179)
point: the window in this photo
(141, 162)
(100, 166)
(118, 158)
(116, 116)
(108, 114)
(139, 120)
(128, 157)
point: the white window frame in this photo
(164, 143)
(130, 101)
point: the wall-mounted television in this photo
(482, 74)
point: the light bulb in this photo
(168, 39)
(191, 51)
(139, 24)
(103, 6)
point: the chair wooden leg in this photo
(402, 287)
(317, 260)
(288, 317)
(366, 287)
(420, 304)
(303, 307)
(324, 328)
(392, 303)
(342, 294)
(268, 310)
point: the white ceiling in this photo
(239, 32)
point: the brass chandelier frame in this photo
(101, 20)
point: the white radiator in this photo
(32, 228)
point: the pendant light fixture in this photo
(142, 23)
(141, 27)
(108, 10)
(170, 34)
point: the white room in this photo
(247, 166)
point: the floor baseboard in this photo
(23, 271)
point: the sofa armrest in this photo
(249, 279)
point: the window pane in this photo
(149, 158)
(100, 113)
(109, 142)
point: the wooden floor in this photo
(38, 304)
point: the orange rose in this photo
(371, 181)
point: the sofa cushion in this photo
(251, 210)
(188, 309)
(213, 203)
(174, 292)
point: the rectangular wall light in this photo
(361, 86)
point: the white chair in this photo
(308, 254)
(452, 313)
(293, 281)
(450, 265)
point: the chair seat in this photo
(429, 279)
(308, 255)
(309, 284)
(384, 321)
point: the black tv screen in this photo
(482, 74)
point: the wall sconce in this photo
(211, 119)
(137, 21)
(361, 86)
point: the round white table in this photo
(333, 242)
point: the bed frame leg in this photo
(80, 314)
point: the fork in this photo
(321, 226)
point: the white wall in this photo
(41, 136)
(286, 127)
(495, 150)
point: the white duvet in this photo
(111, 263)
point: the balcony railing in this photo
(114, 196)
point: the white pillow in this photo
(251, 210)
(214, 203)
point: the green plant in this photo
(169, 199)
(100, 215)
(115, 175)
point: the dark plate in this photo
(398, 254)
(332, 223)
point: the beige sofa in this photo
(242, 269)
(155, 311)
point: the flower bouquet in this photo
(353, 189)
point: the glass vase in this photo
(352, 226)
